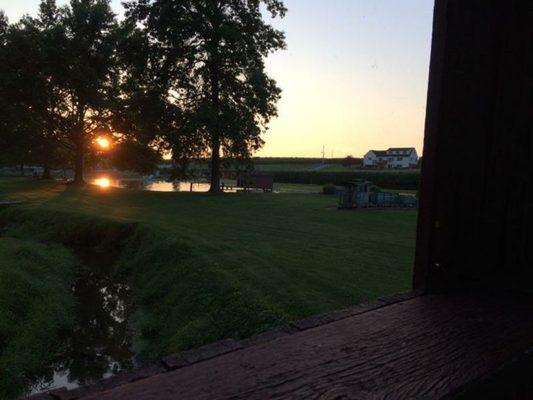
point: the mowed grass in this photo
(297, 249)
(237, 264)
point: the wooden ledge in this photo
(402, 347)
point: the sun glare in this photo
(103, 142)
(102, 182)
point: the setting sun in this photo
(102, 182)
(103, 142)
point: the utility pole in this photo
(323, 154)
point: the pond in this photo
(99, 345)
(176, 186)
(105, 181)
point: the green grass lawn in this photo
(306, 254)
(206, 267)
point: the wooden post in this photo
(477, 177)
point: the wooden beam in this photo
(475, 209)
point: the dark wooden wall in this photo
(476, 218)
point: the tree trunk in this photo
(46, 172)
(215, 167)
(215, 126)
(79, 145)
(215, 17)
(78, 166)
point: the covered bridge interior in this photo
(467, 329)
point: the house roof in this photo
(379, 152)
(396, 149)
(393, 151)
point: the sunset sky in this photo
(354, 76)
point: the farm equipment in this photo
(363, 194)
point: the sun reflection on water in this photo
(103, 182)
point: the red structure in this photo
(256, 180)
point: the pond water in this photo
(177, 186)
(99, 345)
(105, 181)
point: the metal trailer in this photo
(384, 199)
(359, 195)
(355, 195)
(408, 200)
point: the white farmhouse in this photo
(402, 157)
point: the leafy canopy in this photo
(203, 60)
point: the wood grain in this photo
(477, 175)
(426, 348)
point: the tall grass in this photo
(182, 299)
(35, 305)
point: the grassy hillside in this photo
(35, 305)
(205, 267)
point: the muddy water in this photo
(99, 345)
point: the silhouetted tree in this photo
(133, 155)
(91, 79)
(141, 112)
(204, 61)
(50, 90)
(20, 122)
(60, 78)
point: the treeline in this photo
(66, 81)
(389, 180)
(183, 78)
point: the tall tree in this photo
(20, 123)
(91, 29)
(59, 74)
(52, 100)
(4, 26)
(208, 56)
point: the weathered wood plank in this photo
(426, 347)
